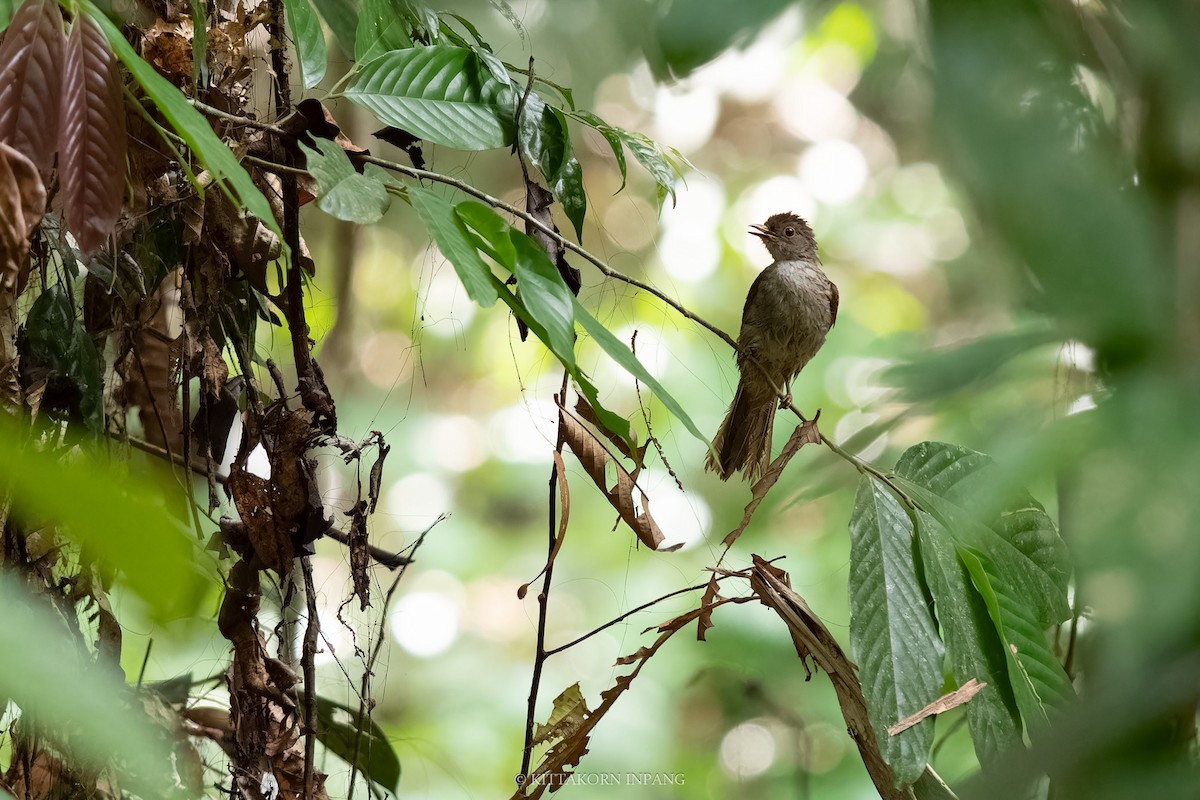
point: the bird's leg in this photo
(786, 400)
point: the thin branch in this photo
(631, 612)
(309, 663)
(366, 703)
(541, 655)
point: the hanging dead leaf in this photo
(805, 433)
(815, 643)
(91, 152)
(31, 59)
(595, 460)
(22, 201)
(711, 597)
(564, 499)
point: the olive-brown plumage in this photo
(789, 309)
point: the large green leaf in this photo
(545, 295)
(619, 352)
(972, 644)
(80, 703)
(188, 123)
(309, 40)
(982, 493)
(445, 95)
(892, 631)
(1019, 598)
(369, 749)
(342, 191)
(547, 141)
(456, 244)
(122, 522)
(383, 25)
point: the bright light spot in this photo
(813, 110)
(947, 233)
(683, 517)
(854, 421)
(919, 188)
(444, 306)
(385, 359)
(765, 60)
(747, 751)
(454, 443)
(424, 623)
(834, 172)
(418, 499)
(685, 119)
(862, 383)
(689, 255)
(772, 196)
(898, 248)
(1084, 402)
(1079, 355)
(690, 249)
(524, 433)
(258, 463)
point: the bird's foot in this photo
(786, 401)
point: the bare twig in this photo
(540, 655)
(308, 662)
(366, 704)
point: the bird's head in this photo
(787, 237)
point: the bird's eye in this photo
(789, 231)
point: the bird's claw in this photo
(786, 401)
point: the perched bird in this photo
(791, 305)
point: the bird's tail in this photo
(744, 438)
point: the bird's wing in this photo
(834, 299)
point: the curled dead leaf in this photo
(805, 433)
(595, 460)
(22, 201)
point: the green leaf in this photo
(972, 644)
(121, 521)
(54, 345)
(199, 43)
(935, 374)
(7, 9)
(383, 25)
(981, 493)
(610, 135)
(892, 632)
(187, 122)
(546, 140)
(545, 295)
(342, 19)
(665, 167)
(444, 95)
(496, 241)
(44, 673)
(456, 244)
(619, 352)
(309, 40)
(1038, 679)
(374, 755)
(567, 182)
(693, 32)
(343, 192)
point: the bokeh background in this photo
(825, 109)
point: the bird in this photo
(789, 310)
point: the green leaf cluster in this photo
(965, 552)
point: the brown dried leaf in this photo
(805, 433)
(595, 459)
(31, 60)
(91, 159)
(22, 201)
(711, 596)
(814, 642)
(376, 483)
(943, 704)
(570, 712)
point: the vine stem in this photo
(861, 466)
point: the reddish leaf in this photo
(22, 200)
(91, 162)
(31, 80)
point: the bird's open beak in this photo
(762, 232)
